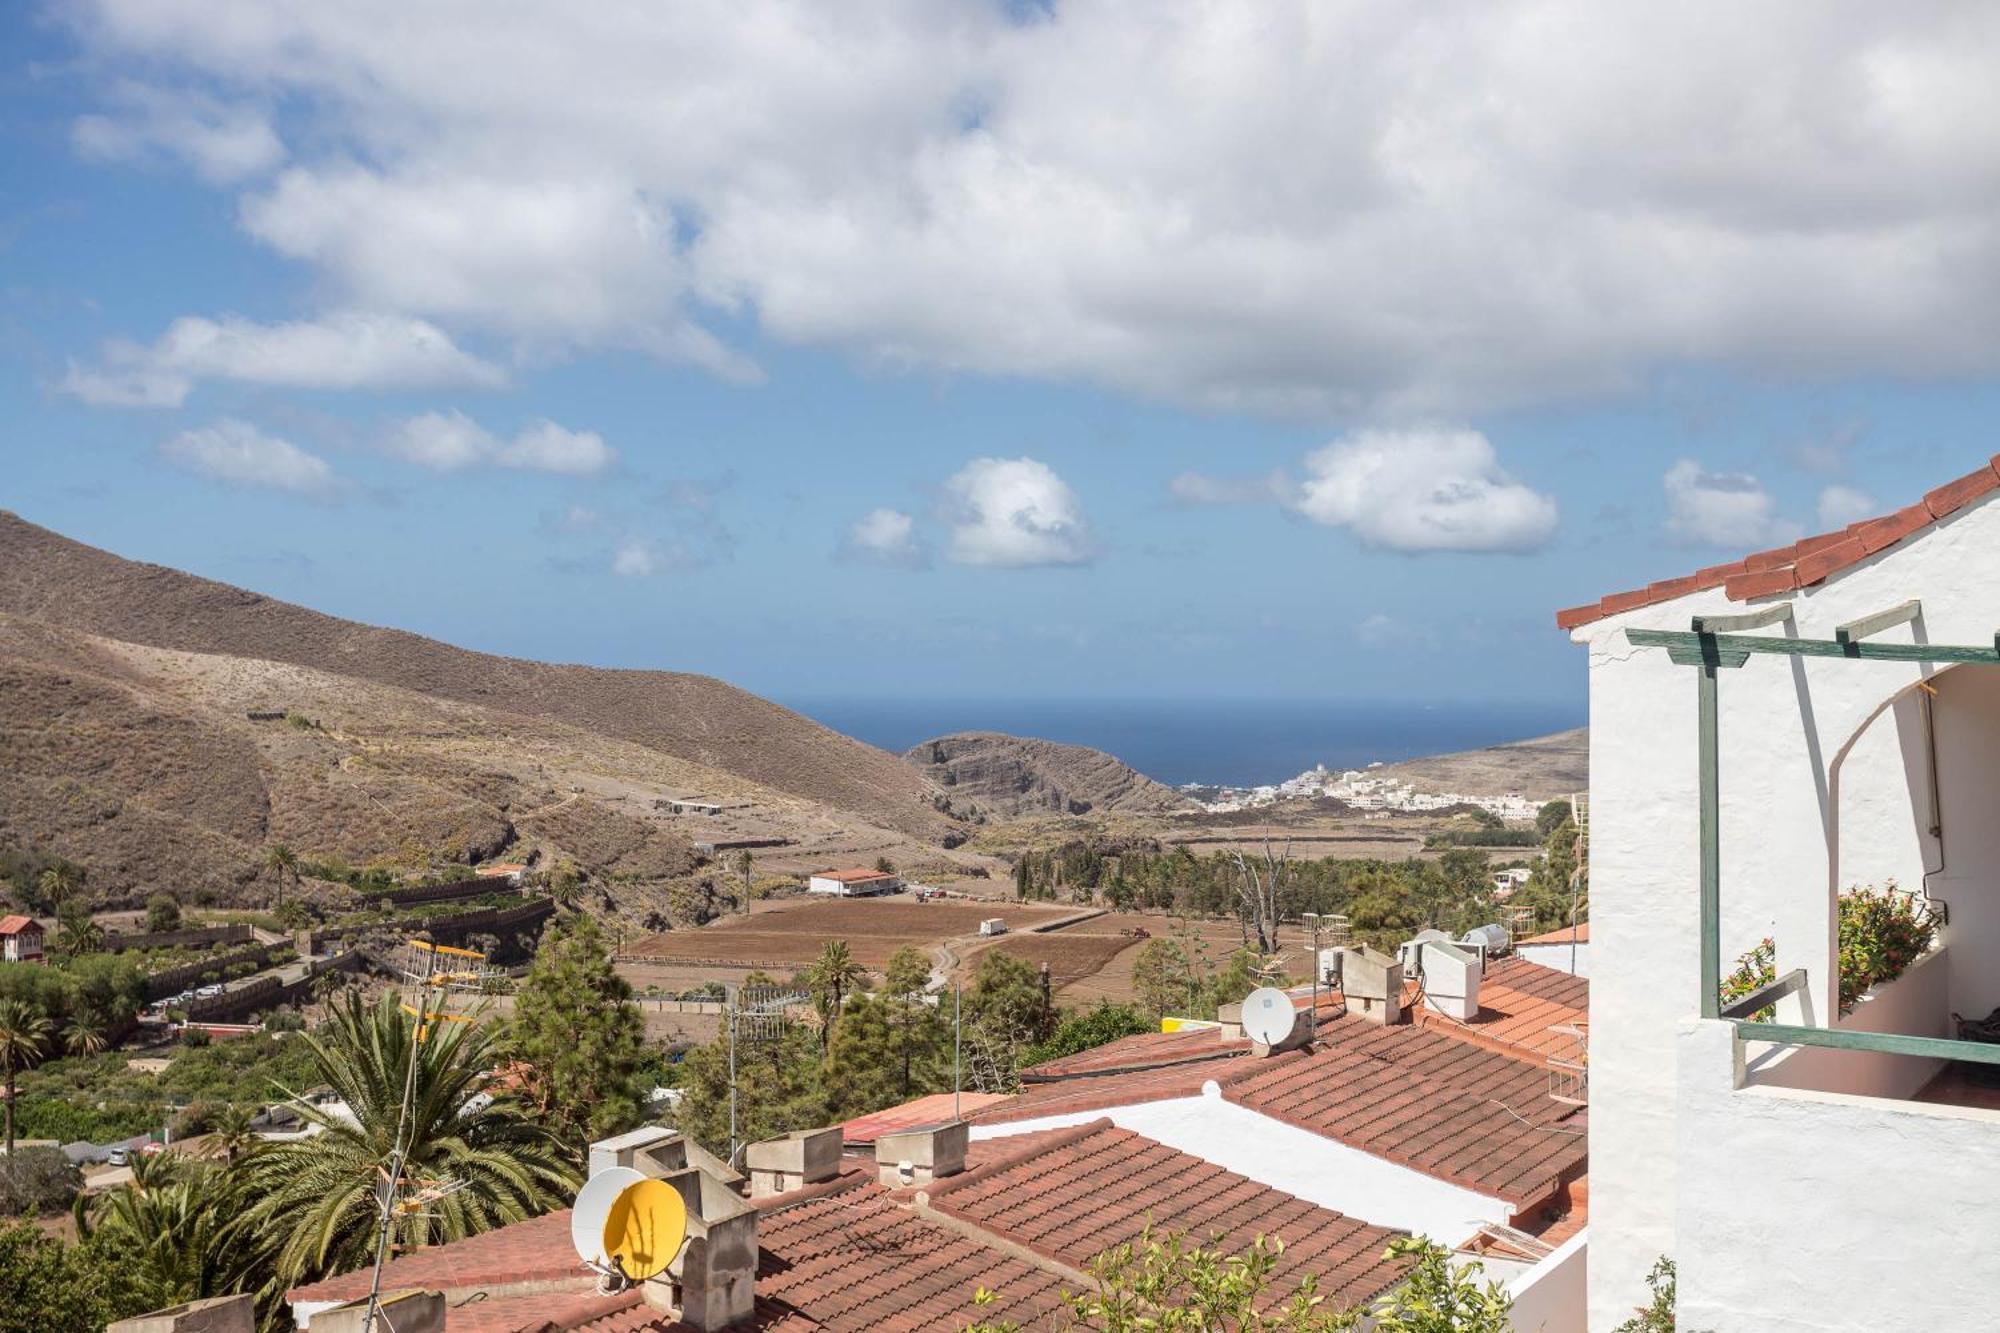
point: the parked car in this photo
(208, 990)
(120, 1157)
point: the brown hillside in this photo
(49, 578)
(1016, 775)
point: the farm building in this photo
(854, 883)
(20, 939)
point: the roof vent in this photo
(919, 1156)
(802, 1157)
(1372, 981)
(1451, 978)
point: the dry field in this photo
(790, 934)
(1071, 956)
(1067, 950)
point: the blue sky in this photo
(931, 350)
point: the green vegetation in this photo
(163, 913)
(37, 1181)
(25, 1038)
(102, 1098)
(1089, 1029)
(311, 1203)
(1484, 837)
(1163, 1284)
(1882, 932)
(49, 1287)
(575, 1040)
(1658, 1314)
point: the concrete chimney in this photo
(403, 1311)
(802, 1157)
(712, 1283)
(220, 1314)
(919, 1156)
(1372, 981)
(657, 1151)
(1230, 1016)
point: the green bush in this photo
(36, 1182)
(1882, 931)
(162, 913)
(195, 1038)
(1756, 969)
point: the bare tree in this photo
(1258, 884)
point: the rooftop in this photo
(1803, 563)
(855, 876)
(934, 1109)
(1072, 1195)
(18, 925)
(1581, 933)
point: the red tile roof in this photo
(537, 1250)
(19, 925)
(1803, 563)
(852, 876)
(1430, 1101)
(934, 1109)
(1103, 1091)
(1076, 1194)
(1563, 936)
(1147, 1050)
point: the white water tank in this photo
(1450, 979)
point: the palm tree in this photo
(316, 1209)
(84, 1036)
(24, 1040)
(230, 1133)
(77, 932)
(831, 976)
(58, 882)
(169, 1228)
(281, 862)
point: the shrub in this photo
(1757, 968)
(162, 913)
(1882, 931)
(1658, 1315)
(37, 1181)
(195, 1037)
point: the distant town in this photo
(1360, 788)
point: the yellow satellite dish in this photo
(644, 1229)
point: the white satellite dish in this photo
(1269, 1016)
(593, 1208)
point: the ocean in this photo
(1230, 742)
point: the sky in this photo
(948, 348)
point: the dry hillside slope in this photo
(1015, 775)
(48, 578)
(1543, 767)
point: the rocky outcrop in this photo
(1005, 776)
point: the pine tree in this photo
(577, 1038)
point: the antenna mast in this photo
(401, 1151)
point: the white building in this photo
(859, 883)
(1833, 1174)
(1566, 949)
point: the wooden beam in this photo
(1762, 616)
(1856, 630)
(1763, 995)
(1699, 648)
(1891, 1043)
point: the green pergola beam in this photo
(1711, 844)
(1692, 649)
(1893, 1043)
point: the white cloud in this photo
(238, 454)
(223, 142)
(635, 557)
(442, 441)
(547, 447)
(450, 441)
(345, 350)
(1722, 508)
(1842, 505)
(1304, 208)
(1424, 490)
(885, 537)
(1199, 488)
(1015, 512)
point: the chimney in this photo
(403, 1311)
(1230, 1016)
(658, 1152)
(220, 1314)
(1372, 981)
(1450, 974)
(713, 1281)
(919, 1156)
(802, 1157)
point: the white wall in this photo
(1549, 1297)
(1811, 1211)
(1798, 822)
(1558, 956)
(1916, 1004)
(1311, 1166)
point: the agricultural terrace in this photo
(790, 933)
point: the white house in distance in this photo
(860, 883)
(1566, 949)
(20, 939)
(1764, 736)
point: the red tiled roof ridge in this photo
(14, 925)
(850, 1177)
(1223, 1051)
(1802, 564)
(999, 1165)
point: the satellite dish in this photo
(1269, 1016)
(593, 1209)
(628, 1223)
(647, 1223)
